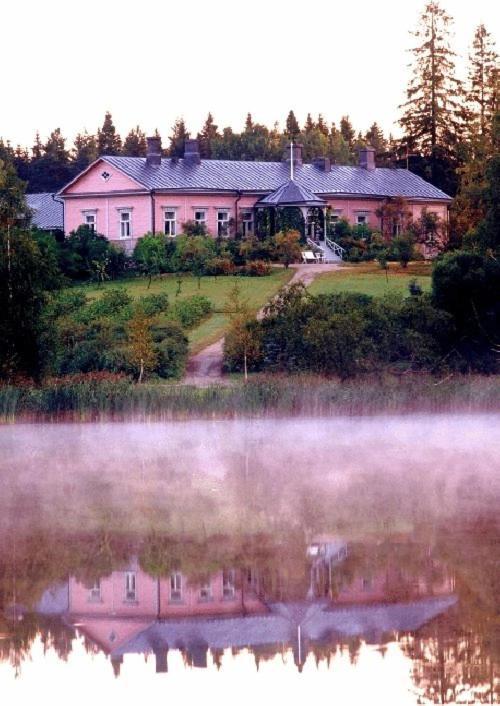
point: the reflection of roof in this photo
(292, 194)
(226, 175)
(47, 213)
(318, 621)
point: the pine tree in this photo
(135, 144)
(309, 124)
(249, 123)
(482, 84)
(108, 140)
(292, 126)
(432, 113)
(322, 126)
(209, 132)
(347, 130)
(177, 138)
(85, 151)
(375, 137)
(37, 148)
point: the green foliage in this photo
(110, 304)
(171, 350)
(85, 255)
(192, 310)
(403, 250)
(219, 266)
(150, 254)
(153, 304)
(467, 286)
(287, 245)
(25, 278)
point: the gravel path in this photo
(205, 368)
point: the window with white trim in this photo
(200, 216)
(222, 223)
(247, 222)
(90, 220)
(205, 590)
(130, 586)
(169, 221)
(176, 586)
(362, 219)
(125, 224)
(228, 583)
(95, 592)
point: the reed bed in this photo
(98, 398)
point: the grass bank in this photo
(102, 399)
(369, 278)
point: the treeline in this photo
(446, 122)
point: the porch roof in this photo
(291, 194)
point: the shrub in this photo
(219, 266)
(171, 350)
(192, 310)
(256, 268)
(403, 250)
(150, 255)
(153, 304)
(111, 303)
(194, 228)
(66, 302)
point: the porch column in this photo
(305, 215)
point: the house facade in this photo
(124, 198)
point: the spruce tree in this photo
(347, 130)
(209, 132)
(178, 138)
(135, 144)
(249, 123)
(108, 140)
(309, 124)
(85, 151)
(292, 126)
(322, 126)
(482, 84)
(432, 113)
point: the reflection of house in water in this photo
(131, 612)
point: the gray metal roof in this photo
(265, 177)
(292, 194)
(47, 213)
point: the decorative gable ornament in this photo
(105, 176)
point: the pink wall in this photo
(154, 598)
(92, 193)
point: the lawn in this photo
(256, 290)
(369, 278)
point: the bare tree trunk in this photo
(245, 369)
(141, 371)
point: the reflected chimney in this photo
(153, 154)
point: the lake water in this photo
(355, 561)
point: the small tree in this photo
(242, 342)
(403, 249)
(288, 247)
(142, 354)
(150, 255)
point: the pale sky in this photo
(63, 64)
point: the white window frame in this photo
(223, 223)
(92, 214)
(228, 584)
(206, 590)
(95, 592)
(176, 587)
(247, 223)
(366, 218)
(131, 586)
(121, 223)
(200, 220)
(172, 222)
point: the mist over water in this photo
(355, 534)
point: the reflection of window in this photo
(176, 586)
(95, 592)
(367, 584)
(228, 581)
(200, 216)
(247, 222)
(169, 223)
(125, 224)
(205, 590)
(130, 586)
(222, 223)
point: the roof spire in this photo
(291, 159)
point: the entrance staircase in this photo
(332, 251)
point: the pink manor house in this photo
(125, 197)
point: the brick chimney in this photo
(367, 158)
(322, 163)
(153, 153)
(191, 152)
(297, 155)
